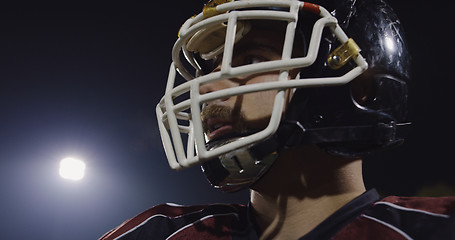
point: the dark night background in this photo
(83, 81)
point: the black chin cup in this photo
(241, 168)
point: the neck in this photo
(298, 194)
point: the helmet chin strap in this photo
(243, 167)
(381, 134)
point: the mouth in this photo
(217, 128)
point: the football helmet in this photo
(344, 41)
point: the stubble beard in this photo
(227, 114)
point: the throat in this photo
(303, 188)
(288, 217)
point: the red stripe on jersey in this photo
(439, 205)
(162, 209)
(211, 227)
(364, 228)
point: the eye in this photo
(247, 60)
(253, 60)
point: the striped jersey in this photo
(365, 217)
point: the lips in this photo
(218, 127)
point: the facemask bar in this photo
(169, 113)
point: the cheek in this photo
(257, 107)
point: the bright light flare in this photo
(72, 169)
(389, 44)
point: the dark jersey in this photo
(365, 217)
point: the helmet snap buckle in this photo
(209, 9)
(342, 54)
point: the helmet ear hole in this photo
(363, 89)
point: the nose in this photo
(211, 87)
(219, 85)
(216, 86)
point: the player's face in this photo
(248, 112)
